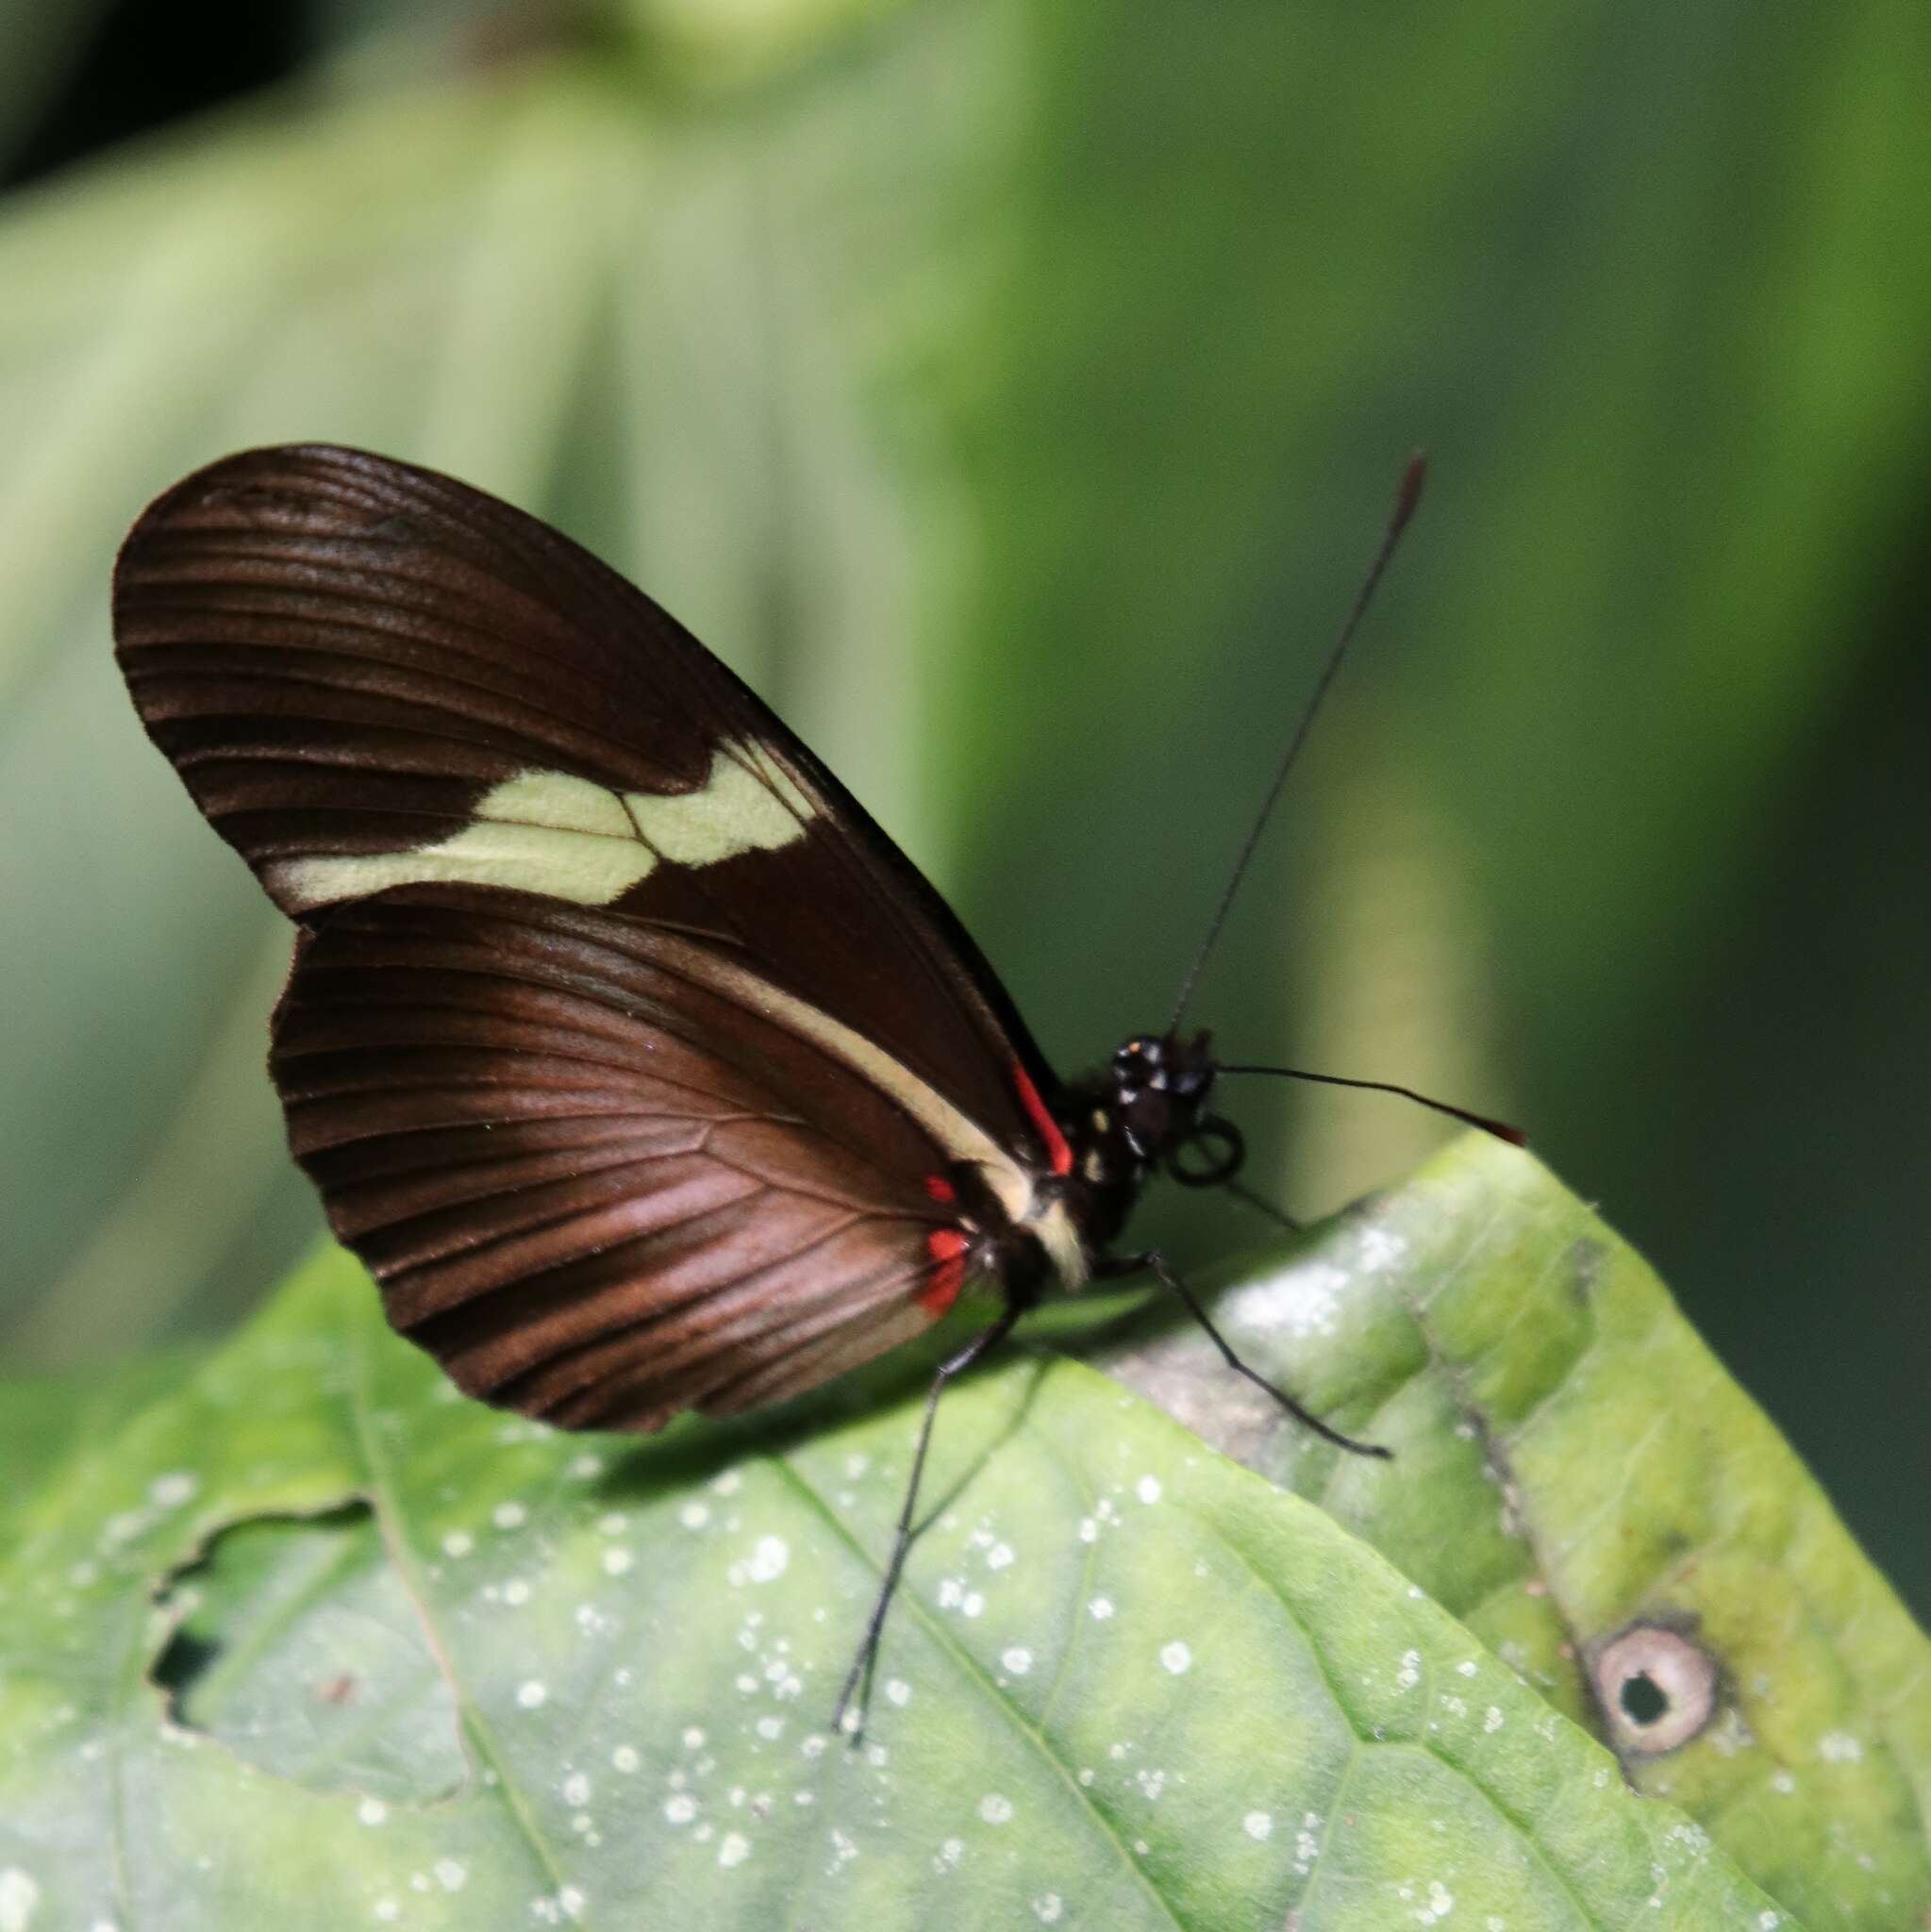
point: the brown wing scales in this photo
(596, 1197)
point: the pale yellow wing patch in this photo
(572, 839)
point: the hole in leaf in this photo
(1644, 1700)
(299, 1648)
(1657, 1686)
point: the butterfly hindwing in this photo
(622, 1045)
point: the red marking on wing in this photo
(947, 1248)
(1057, 1153)
(940, 1188)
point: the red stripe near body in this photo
(1057, 1153)
(947, 1248)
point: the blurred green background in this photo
(1013, 394)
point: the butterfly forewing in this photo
(620, 1042)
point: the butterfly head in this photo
(1159, 1086)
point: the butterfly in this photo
(640, 1068)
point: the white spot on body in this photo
(1176, 1656)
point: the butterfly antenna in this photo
(1405, 500)
(1501, 1129)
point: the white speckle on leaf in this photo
(531, 1694)
(726, 1485)
(770, 1559)
(694, 1739)
(510, 1515)
(1303, 1300)
(898, 1690)
(1176, 1656)
(1257, 1825)
(170, 1490)
(1783, 1783)
(19, 1895)
(1378, 1249)
(516, 1591)
(995, 1810)
(1440, 1903)
(585, 1466)
(1101, 1608)
(1019, 1661)
(680, 1808)
(452, 1874)
(733, 1849)
(1839, 1747)
(612, 1522)
(973, 1604)
(385, 1910)
(1088, 1530)
(625, 1758)
(570, 1898)
(1411, 1672)
(1148, 1489)
(372, 1811)
(1047, 1908)
(576, 1789)
(771, 1728)
(616, 1562)
(1492, 1719)
(459, 1543)
(999, 1556)
(694, 1515)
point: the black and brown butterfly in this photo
(640, 1068)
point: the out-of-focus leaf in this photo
(38, 47)
(1127, 1684)
(1579, 1482)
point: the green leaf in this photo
(1128, 1683)
(1573, 1466)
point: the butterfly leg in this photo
(1162, 1269)
(979, 1346)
